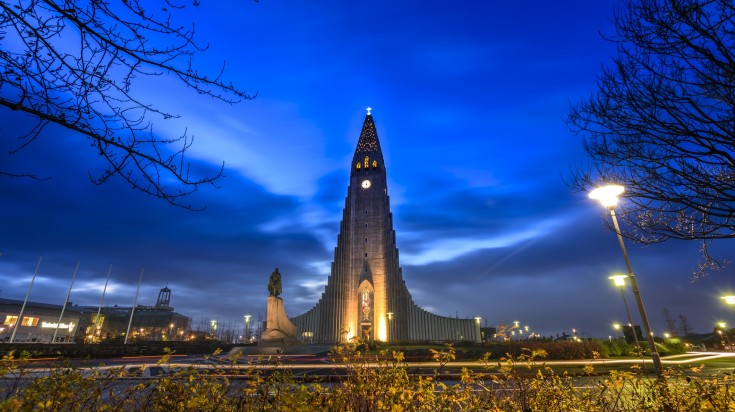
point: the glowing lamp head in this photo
(616, 326)
(607, 195)
(730, 300)
(618, 280)
(722, 325)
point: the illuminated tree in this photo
(75, 64)
(662, 121)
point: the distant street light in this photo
(608, 197)
(616, 326)
(619, 281)
(730, 299)
(247, 328)
(723, 330)
(213, 328)
(390, 325)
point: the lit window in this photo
(10, 320)
(375, 164)
(367, 162)
(29, 321)
(357, 165)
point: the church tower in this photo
(365, 295)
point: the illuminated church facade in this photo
(366, 295)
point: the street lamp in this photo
(390, 325)
(619, 281)
(723, 330)
(247, 328)
(616, 326)
(730, 299)
(608, 197)
(213, 328)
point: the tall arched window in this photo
(367, 162)
(365, 305)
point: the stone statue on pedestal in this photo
(278, 328)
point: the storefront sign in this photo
(55, 325)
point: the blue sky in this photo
(469, 103)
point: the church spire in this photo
(368, 154)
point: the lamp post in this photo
(608, 197)
(730, 300)
(390, 325)
(247, 328)
(213, 328)
(619, 281)
(616, 326)
(722, 326)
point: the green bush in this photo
(670, 347)
(566, 350)
(616, 348)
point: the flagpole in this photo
(132, 310)
(56, 329)
(97, 325)
(23, 308)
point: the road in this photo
(323, 366)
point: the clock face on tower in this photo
(365, 184)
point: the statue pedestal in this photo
(278, 329)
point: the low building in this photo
(81, 324)
(149, 323)
(40, 322)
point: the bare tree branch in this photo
(73, 64)
(662, 122)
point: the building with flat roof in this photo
(40, 322)
(81, 324)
